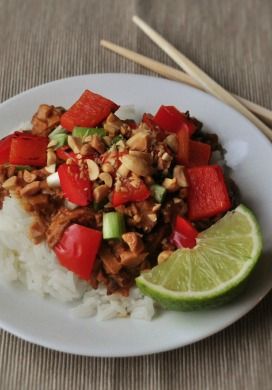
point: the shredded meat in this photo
(46, 119)
(110, 262)
(64, 217)
(37, 231)
(120, 262)
(141, 215)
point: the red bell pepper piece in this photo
(5, 144)
(88, 111)
(78, 248)
(199, 153)
(208, 194)
(170, 119)
(183, 138)
(65, 152)
(184, 234)
(28, 149)
(131, 194)
(75, 188)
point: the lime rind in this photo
(208, 242)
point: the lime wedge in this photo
(211, 273)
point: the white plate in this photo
(48, 323)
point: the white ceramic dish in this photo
(249, 154)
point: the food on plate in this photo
(105, 200)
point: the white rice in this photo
(37, 267)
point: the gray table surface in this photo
(232, 40)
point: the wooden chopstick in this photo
(178, 75)
(196, 73)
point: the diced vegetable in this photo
(184, 234)
(208, 194)
(199, 153)
(83, 132)
(183, 138)
(88, 111)
(65, 152)
(60, 139)
(113, 225)
(28, 149)
(170, 119)
(5, 144)
(75, 188)
(131, 194)
(158, 192)
(58, 130)
(78, 248)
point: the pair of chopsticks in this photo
(195, 76)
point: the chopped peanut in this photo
(179, 175)
(107, 179)
(170, 185)
(52, 143)
(51, 157)
(123, 170)
(163, 256)
(112, 124)
(86, 149)
(100, 193)
(137, 165)
(172, 141)
(93, 170)
(75, 143)
(98, 144)
(10, 183)
(51, 168)
(31, 188)
(107, 167)
(139, 141)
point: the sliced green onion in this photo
(86, 131)
(113, 225)
(58, 130)
(60, 139)
(158, 192)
